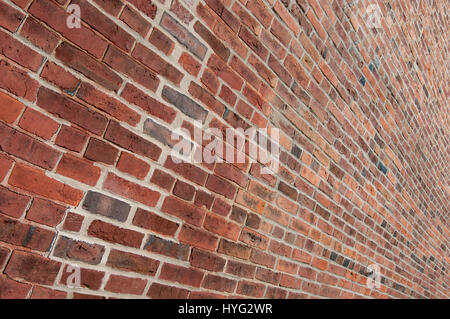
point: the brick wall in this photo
(87, 179)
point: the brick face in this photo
(87, 118)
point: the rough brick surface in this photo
(87, 177)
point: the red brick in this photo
(251, 289)
(38, 34)
(131, 190)
(99, 151)
(167, 248)
(84, 36)
(217, 283)
(104, 25)
(254, 238)
(162, 179)
(20, 53)
(186, 170)
(71, 138)
(183, 36)
(132, 165)
(72, 249)
(19, 234)
(146, 7)
(78, 169)
(210, 81)
(32, 268)
(206, 98)
(184, 190)
(225, 72)
(113, 7)
(159, 291)
(157, 64)
(148, 103)
(108, 104)
(261, 12)
(220, 186)
(71, 111)
(37, 182)
(114, 234)
(290, 281)
(119, 135)
(253, 43)
(161, 41)
(10, 18)
(268, 276)
(126, 65)
(197, 238)
(126, 285)
(45, 212)
(10, 289)
(17, 81)
(203, 199)
(287, 18)
(155, 223)
(12, 204)
(206, 260)
(186, 276)
(234, 249)
(222, 227)
(38, 124)
(47, 293)
(134, 20)
(60, 77)
(216, 45)
(88, 66)
(184, 210)
(132, 263)
(181, 12)
(189, 64)
(73, 222)
(10, 108)
(27, 148)
(241, 270)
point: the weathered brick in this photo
(114, 234)
(32, 268)
(186, 276)
(183, 36)
(71, 111)
(167, 248)
(101, 204)
(132, 263)
(18, 52)
(68, 248)
(184, 104)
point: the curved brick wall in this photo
(87, 180)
